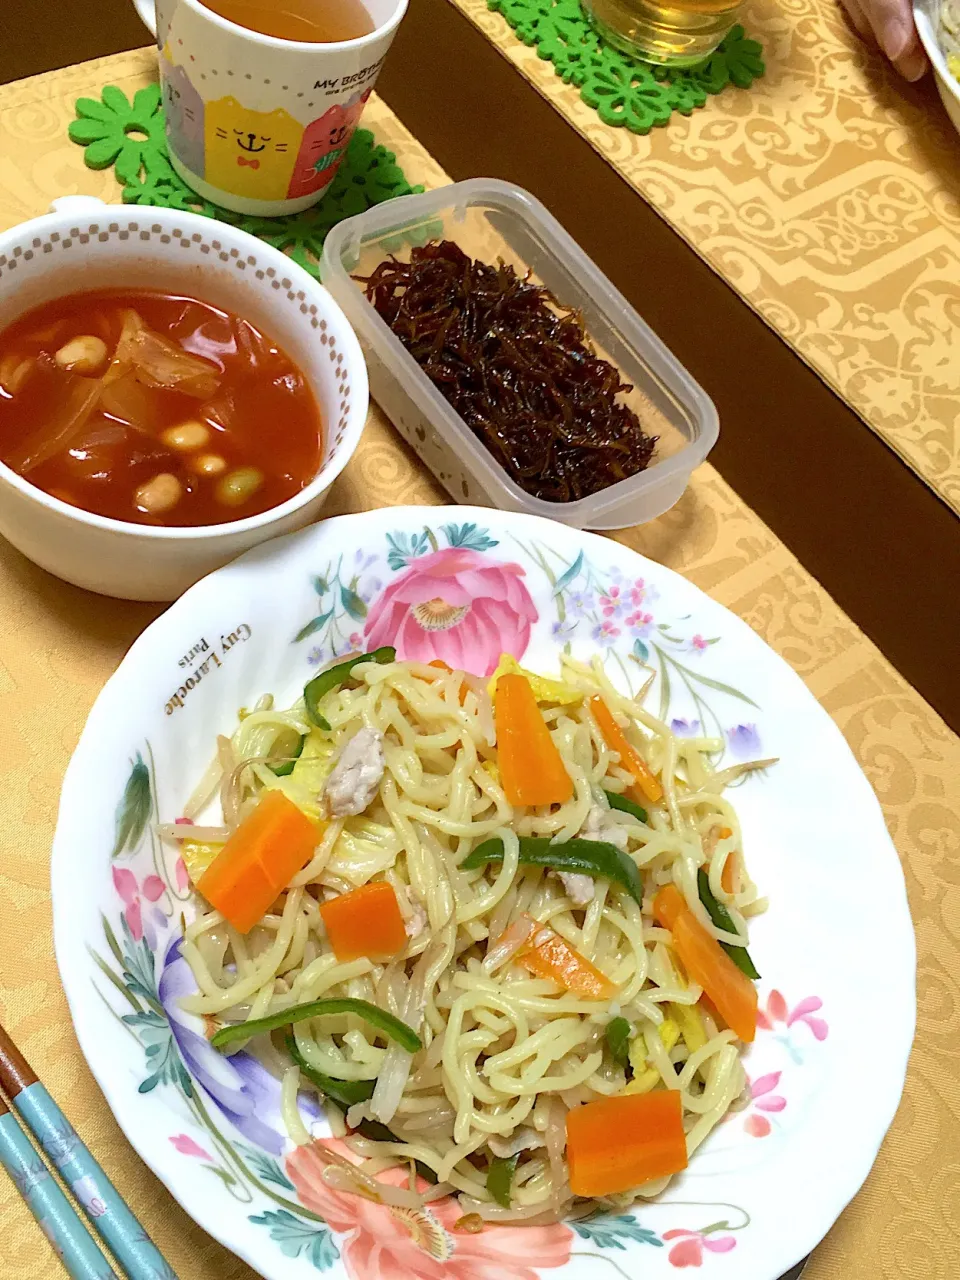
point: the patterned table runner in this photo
(828, 196)
(58, 645)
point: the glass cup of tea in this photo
(261, 98)
(671, 33)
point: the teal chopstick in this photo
(103, 1205)
(58, 1221)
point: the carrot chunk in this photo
(259, 860)
(728, 874)
(647, 785)
(668, 904)
(531, 767)
(550, 956)
(617, 1144)
(365, 922)
(731, 991)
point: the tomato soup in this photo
(154, 408)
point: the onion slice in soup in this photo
(70, 412)
(254, 346)
(14, 372)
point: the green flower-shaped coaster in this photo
(622, 90)
(130, 137)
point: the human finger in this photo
(896, 34)
(912, 62)
(859, 20)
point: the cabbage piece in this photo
(128, 399)
(314, 764)
(363, 849)
(197, 856)
(544, 688)
(158, 362)
(304, 784)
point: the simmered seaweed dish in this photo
(518, 367)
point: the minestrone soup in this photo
(154, 408)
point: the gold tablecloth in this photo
(58, 645)
(828, 196)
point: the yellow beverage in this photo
(677, 33)
(311, 21)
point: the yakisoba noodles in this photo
(535, 986)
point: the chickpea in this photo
(238, 486)
(208, 464)
(86, 354)
(186, 436)
(158, 495)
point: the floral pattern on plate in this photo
(210, 1127)
(144, 963)
(448, 594)
(373, 1241)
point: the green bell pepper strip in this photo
(378, 1132)
(721, 917)
(597, 858)
(379, 1018)
(617, 801)
(321, 685)
(345, 1092)
(500, 1177)
(618, 1040)
(286, 768)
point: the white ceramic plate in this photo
(939, 32)
(836, 948)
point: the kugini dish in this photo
(458, 586)
(492, 222)
(518, 366)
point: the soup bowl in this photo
(84, 244)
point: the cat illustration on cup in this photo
(324, 144)
(251, 153)
(184, 113)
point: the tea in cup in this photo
(257, 121)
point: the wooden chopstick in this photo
(103, 1205)
(75, 1246)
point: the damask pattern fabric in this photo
(828, 196)
(58, 645)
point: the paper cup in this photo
(256, 124)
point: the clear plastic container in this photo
(489, 219)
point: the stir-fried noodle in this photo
(507, 1048)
